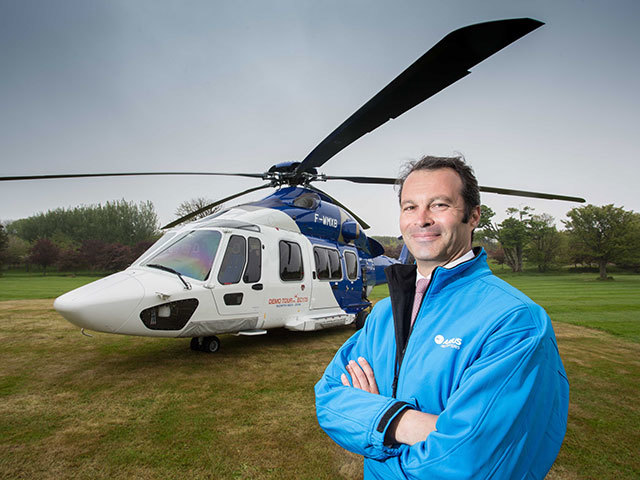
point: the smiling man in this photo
(457, 374)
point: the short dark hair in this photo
(470, 191)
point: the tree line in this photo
(104, 238)
(110, 237)
(593, 235)
(115, 222)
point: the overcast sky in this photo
(120, 85)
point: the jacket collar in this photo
(402, 278)
(402, 286)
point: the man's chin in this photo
(427, 250)
(428, 258)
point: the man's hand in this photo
(361, 375)
(410, 426)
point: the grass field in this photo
(582, 299)
(23, 285)
(126, 407)
(579, 299)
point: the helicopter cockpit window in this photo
(254, 262)
(233, 261)
(328, 265)
(291, 267)
(165, 239)
(351, 261)
(191, 255)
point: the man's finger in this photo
(368, 371)
(345, 380)
(358, 376)
(355, 378)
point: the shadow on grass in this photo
(137, 352)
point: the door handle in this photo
(257, 286)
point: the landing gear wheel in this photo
(210, 344)
(360, 318)
(195, 344)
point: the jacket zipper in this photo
(394, 385)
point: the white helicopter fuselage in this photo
(253, 270)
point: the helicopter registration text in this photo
(323, 219)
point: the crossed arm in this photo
(410, 426)
(516, 385)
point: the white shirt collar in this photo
(467, 256)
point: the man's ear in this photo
(474, 218)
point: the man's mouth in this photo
(425, 236)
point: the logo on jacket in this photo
(453, 342)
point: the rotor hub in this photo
(287, 173)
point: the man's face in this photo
(431, 213)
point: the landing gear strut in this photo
(205, 344)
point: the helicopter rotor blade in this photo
(369, 180)
(444, 64)
(501, 191)
(362, 223)
(211, 205)
(121, 174)
(524, 193)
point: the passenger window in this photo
(328, 266)
(233, 261)
(254, 261)
(351, 260)
(322, 263)
(335, 265)
(291, 267)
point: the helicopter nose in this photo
(103, 305)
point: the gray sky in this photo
(120, 85)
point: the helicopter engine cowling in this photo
(350, 230)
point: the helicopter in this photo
(298, 258)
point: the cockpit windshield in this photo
(192, 255)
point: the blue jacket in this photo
(481, 355)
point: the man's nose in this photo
(425, 217)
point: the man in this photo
(471, 387)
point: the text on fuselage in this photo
(323, 219)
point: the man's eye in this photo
(407, 208)
(439, 206)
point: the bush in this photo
(44, 253)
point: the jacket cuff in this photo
(382, 429)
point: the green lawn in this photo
(578, 298)
(113, 407)
(18, 286)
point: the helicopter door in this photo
(328, 275)
(353, 294)
(238, 289)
